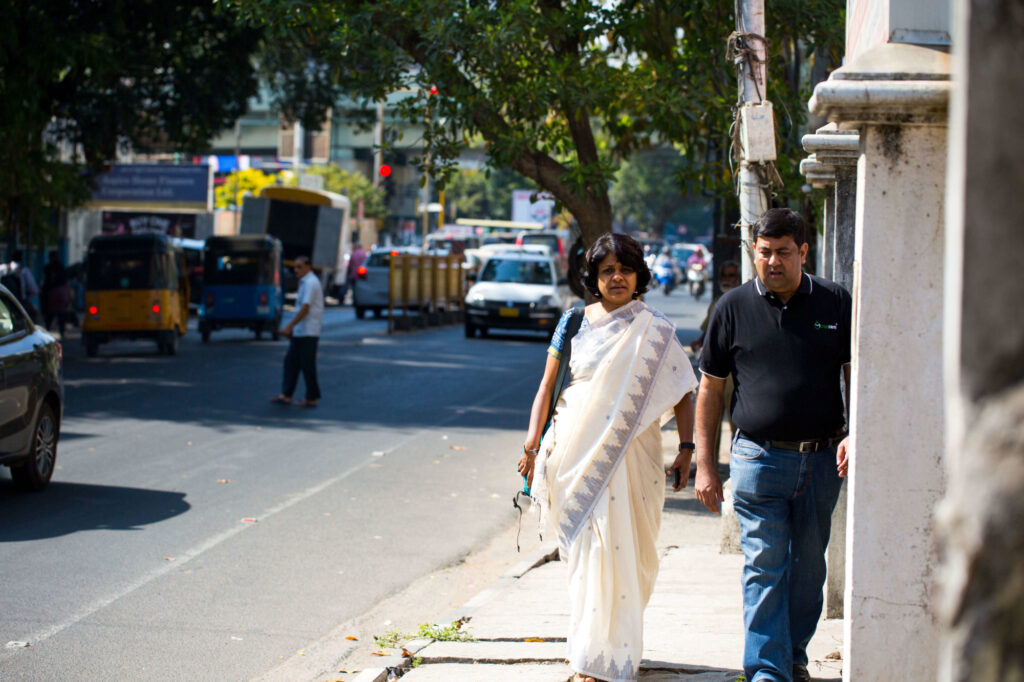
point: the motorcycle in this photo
(666, 277)
(697, 275)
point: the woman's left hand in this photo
(682, 465)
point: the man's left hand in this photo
(843, 457)
(286, 332)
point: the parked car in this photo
(372, 283)
(31, 396)
(518, 289)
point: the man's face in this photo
(729, 278)
(301, 268)
(778, 261)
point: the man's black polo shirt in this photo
(786, 360)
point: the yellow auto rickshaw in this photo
(136, 286)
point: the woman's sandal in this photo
(281, 400)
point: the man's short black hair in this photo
(628, 252)
(776, 223)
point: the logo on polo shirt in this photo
(825, 325)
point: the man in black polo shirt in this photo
(785, 338)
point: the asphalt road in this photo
(194, 531)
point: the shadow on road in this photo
(65, 508)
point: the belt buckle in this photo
(808, 446)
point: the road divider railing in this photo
(424, 290)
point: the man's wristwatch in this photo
(687, 445)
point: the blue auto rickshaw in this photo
(241, 285)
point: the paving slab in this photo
(534, 606)
(493, 652)
(468, 672)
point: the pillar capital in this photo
(832, 146)
(890, 84)
(818, 174)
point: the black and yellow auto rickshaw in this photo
(136, 286)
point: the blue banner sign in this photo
(154, 186)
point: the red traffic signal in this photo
(385, 170)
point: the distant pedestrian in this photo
(355, 261)
(303, 332)
(599, 477)
(785, 338)
(22, 283)
(56, 294)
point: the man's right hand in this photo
(708, 486)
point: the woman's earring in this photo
(636, 294)
(597, 294)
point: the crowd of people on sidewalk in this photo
(49, 304)
(592, 459)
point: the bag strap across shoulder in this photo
(572, 326)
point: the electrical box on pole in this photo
(757, 132)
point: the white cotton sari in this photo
(600, 481)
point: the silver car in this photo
(372, 283)
(31, 396)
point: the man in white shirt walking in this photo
(304, 333)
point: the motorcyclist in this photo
(697, 257)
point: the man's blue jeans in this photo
(784, 501)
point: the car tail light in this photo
(394, 253)
(156, 308)
(209, 300)
(361, 272)
(60, 354)
(93, 310)
(264, 300)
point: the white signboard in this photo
(526, 211)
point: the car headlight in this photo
(474, 299)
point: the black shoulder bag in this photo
(571, 328)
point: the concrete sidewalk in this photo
(693, 627)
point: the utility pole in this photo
(755, 122)
(378, 144)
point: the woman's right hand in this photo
(525, 467)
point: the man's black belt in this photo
(803, 446)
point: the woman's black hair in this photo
(628, 252)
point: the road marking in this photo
(42, 635)
(168, 566)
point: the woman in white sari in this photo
(598, 475)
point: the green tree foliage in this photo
(645, 195)
(484, 193)
(81, 79)
(561, 92)
(352, 184)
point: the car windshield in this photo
(239, 267)
(520, 271)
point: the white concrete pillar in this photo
(838, 151)
(896, 96)
(821, 176)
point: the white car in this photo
(517, 289)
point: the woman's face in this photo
(615, 281)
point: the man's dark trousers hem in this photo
(301, 356)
